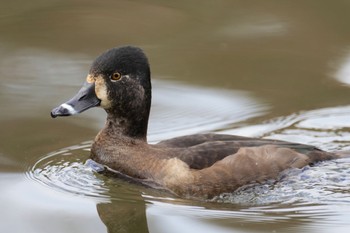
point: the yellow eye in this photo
(116, 76)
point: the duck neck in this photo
(121, 127)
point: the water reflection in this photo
(123, 217)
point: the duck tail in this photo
(343, 154)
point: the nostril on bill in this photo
(82, 97)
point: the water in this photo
(263, 69)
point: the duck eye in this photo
(116, 76)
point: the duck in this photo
(200, 166)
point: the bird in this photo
(197, 166)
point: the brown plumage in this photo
(201, 165)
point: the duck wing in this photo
(248, 165)
(203, 150)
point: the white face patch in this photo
(69, 108)
(101, 92)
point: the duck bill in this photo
(86, 98)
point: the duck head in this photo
(119, 82)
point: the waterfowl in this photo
(194, 166)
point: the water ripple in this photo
(65, 170)
(327, 182)
(326, 128)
